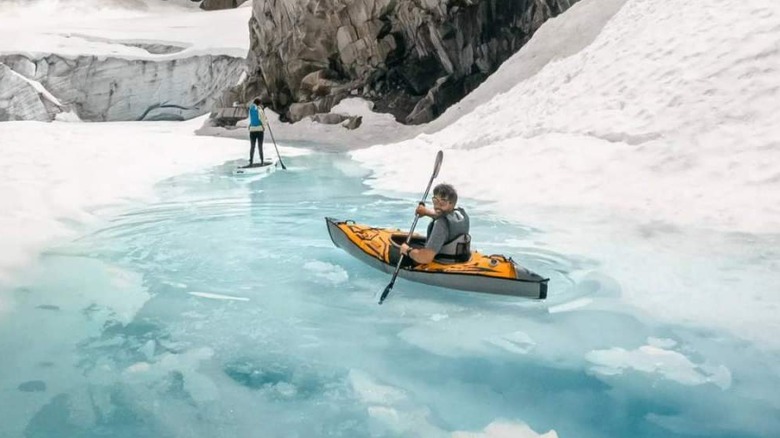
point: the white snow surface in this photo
(55, 174)
(116, 28)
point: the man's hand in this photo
(422, 211)
(405, 249)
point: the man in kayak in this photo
(448, 234)
(256, 128)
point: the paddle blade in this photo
(437, 166)
(386, 291)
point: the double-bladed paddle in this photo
(436, 167)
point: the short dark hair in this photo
(256, 101)
(446, 191)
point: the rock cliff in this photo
(412, 58)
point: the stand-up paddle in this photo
(439, 158)
(274, 141)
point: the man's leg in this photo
(260, 145)
(252, 140)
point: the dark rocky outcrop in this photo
(229, 116)
(412, 58)
(213, 5)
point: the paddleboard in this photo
(257, 168)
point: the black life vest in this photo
(457, 247)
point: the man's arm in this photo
(422, 211)
(432, 246)
(419, 255)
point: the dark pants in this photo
(256, 136)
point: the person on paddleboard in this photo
(448, 238)
(256, 130)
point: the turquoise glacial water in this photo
(222, 309)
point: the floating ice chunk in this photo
(370, 391)
(505, 429)
(456, 336)
(405, 422)
(391, 409)
(661, 342)
(436, 317)
(387, 415)
(197, 384)
(175, 284)
(569, 306)
(718, 375)
(286, 390)
(138, 367)
(327, 271)
(671, 365)
(515, 342)
(92, 278)
(217, 296)
(148, 349)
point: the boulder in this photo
(329, 118)
(213, 5)
(353, 122)
(299, 111)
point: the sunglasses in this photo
(439, 200)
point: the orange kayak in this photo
(495, 274)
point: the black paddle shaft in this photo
(274, 141)
(436, 167)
